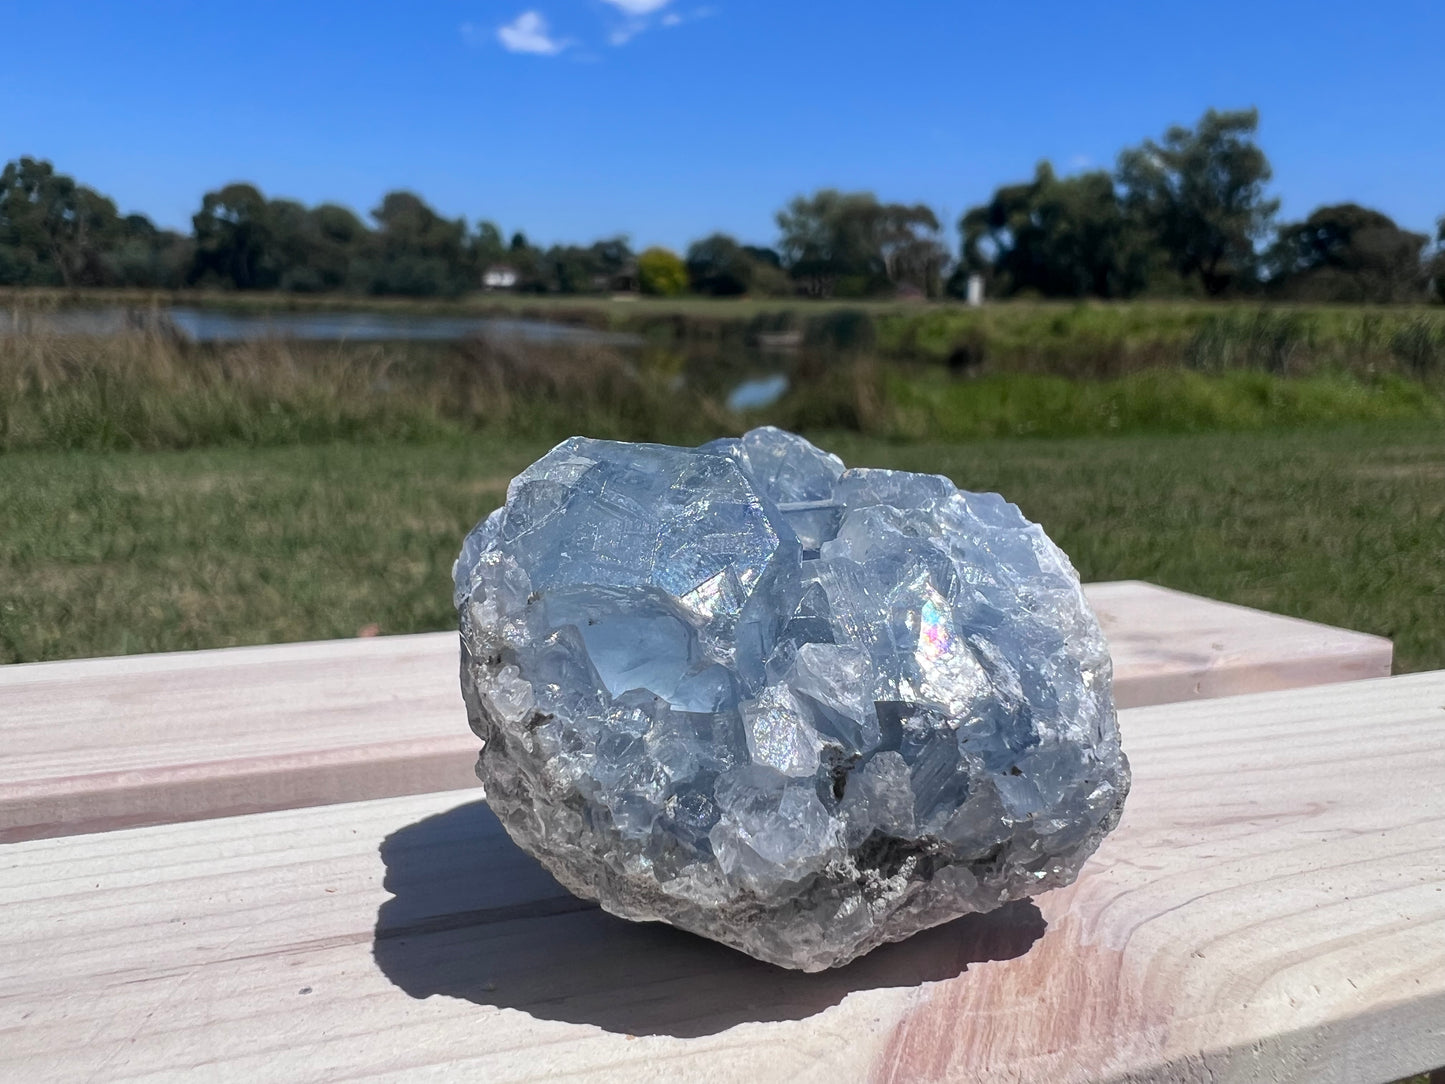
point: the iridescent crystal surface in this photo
(799, 709)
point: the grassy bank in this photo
(104, 553)
(146, 391)
(1154, 401)
(1108, 340)
(1088, 339)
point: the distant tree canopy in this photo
(416, 252)
(235, 240)
(848, 244)
(1200, 195)
(717, 266)
(604, 266)
(1346, 252)
(1056, 237)
(1187, 214)
(55, 232)
(247, 242)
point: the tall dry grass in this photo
(144, 389)
(547, 389)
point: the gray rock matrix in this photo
(798, 709)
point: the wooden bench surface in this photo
(97, 744)
(1272, 908)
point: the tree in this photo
(487, 245)
(567, 269)
(293, 242)
(335, 240)
(234, 242)
(573, 269)
(909, 240)
(246, 242)
(660, 271)
(526, 260)
(53, 231)
(848, 242)
(825, 239)
(313, 249)
(1201, 195)
(614, 267)
(1345, 252)
(148, 257)
(415, 251)
(764, 256)
(717, 266)
(1437, 265)
(1059, 237)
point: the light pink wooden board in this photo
(1170, 646)
(104, 743)
(1272, 908)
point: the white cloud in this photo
(677, 18)
(638, 17)
(639, 7)
(529, 33)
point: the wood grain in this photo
(99, 744)
(1170, 646)
(1272, 908)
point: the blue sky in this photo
(667, 119)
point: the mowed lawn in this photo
(111, 553)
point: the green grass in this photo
(1154, 401)
(105, 553)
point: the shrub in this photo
(661, 273)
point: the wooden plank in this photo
(1272, 908)
(1170, 646)
(105, 743)
(98, 744)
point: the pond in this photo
(219, 326)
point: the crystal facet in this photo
(798, 709)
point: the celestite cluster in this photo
(798, 709)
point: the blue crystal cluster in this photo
(796, 708)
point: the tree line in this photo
(1187, 215)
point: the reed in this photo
(145, 389)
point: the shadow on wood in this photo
(473, 917)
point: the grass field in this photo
(115, 552)
(157, 497)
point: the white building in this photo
(499, 277)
